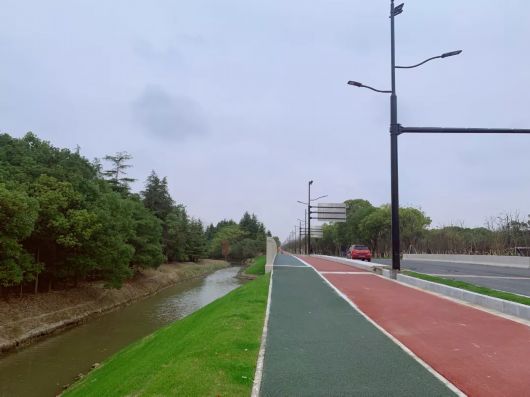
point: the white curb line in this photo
(261, 355)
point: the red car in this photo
(361, 252)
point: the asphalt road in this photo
(496, 277)
(318, 345)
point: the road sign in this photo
(331, 212)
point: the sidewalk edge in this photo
(256, 386)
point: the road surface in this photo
(496, 277)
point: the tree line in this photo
(64, 219)
(371, 225)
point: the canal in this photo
(43, 368)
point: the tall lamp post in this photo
(397, 129)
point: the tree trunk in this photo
(37, 275)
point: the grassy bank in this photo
(471, 287)
(25, 319)
(212, 352)
(257, 267)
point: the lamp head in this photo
(450, 54)
(355, 83)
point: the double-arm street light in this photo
(396, 129)
(309, 200)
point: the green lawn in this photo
(212, 352)
(471, 287)
(257, 266)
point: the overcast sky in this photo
(239, 103)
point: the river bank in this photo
(212, 352)
(25, 319)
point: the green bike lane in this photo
(319, 345)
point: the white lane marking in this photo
(261, 355)
(362, 273)
(440, 377)
(299, 267)
(475, 276)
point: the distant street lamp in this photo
(309, 200)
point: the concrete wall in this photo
(494, 260)
(272, 250)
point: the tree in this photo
(156, 196)
(18, 213)
(147, 237)
(196, 240)
(118, 171)
(175, 234)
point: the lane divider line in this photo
(261, 355)
(299, 267)
(439, 376)
(354, 273)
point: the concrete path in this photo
(480, 353)
(319, 345)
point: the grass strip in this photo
(471, 287)
(212, 352)
(257, 267)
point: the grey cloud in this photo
(169, 117)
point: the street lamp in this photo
(395, 131)
(300, 234)
(309, 200)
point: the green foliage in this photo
(237, 241)
(369, 225)
(18, 213)
(220, 342)
(60, 218)
(257, 266)
(117, 173)
(196, 240)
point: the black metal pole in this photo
(305, 231)
(300, 237)
(442, 130)
(394, 133)
(309, 217)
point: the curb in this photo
(488, 302)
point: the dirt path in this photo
(24, 319)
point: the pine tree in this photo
(117, 173)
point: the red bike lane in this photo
(480, 353)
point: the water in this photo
(42, 368)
